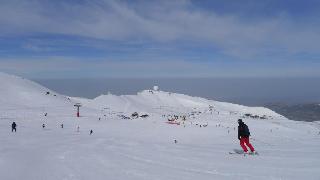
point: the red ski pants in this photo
(245, 141)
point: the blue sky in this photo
(183, 38)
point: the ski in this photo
(241, 152)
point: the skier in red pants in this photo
(243, 136)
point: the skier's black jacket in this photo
(13, 125)
(243, 130)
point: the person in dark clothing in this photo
(14, 127)
(243, 136)
(91, 131)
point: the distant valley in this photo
(299, 112)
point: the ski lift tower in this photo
(78, 105)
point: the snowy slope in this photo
(22, 98)
(16, 91)
(144, 148)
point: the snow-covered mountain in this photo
(19, 92)
(151, 135)
(151, 101)
(22, 98)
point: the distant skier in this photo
(14, 127)
(43, 126)
(243, 136)
(91, 131)
(61, 126)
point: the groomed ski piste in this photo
(153, 135)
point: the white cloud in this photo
(167, 21)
